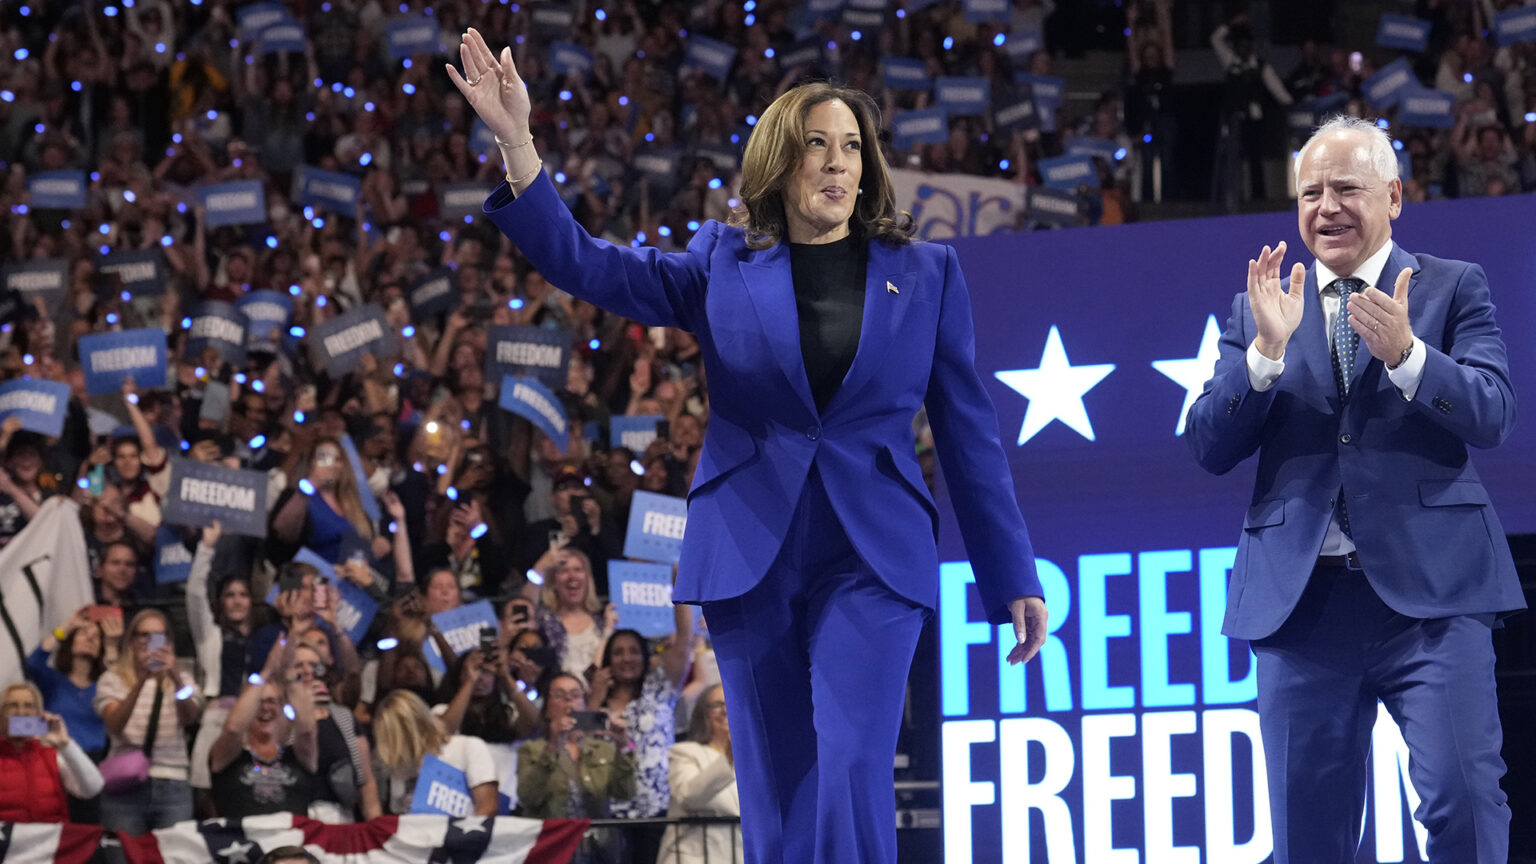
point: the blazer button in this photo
(1345, 438)
(813, 433)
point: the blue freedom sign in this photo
(414, 34)
(340, 343)
(922, 126)
(1022, 44)
(710, 55)
(255, 18)
(656, 524)
(1516, 25)
(905, 73)
(963, 95)
(529, 399)
(40, 404)
(567, 59)
(141, 271)
(643, 592)
(1426, 108)
(285, 34)
(266, 316)
(1387, 86)
(635, 432)
(220, 326)
(982, 11)
(553, 19)
(1101, 147)
(109, 358)
(432, 293)
(1044, 89)
(327, 190)
(57, 190)
(1052, 206)
(201, 493)
(241, 202)
(1069, 172)
(458, 200)
(47, 278)
(461, 626)
(173, 560)
(533, 352)
(1019, 115)
(1402, 32)
(441, 789)
(806, 53)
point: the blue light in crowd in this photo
(565, 95)
(25, 11)
(7, 96)
(181, 206)
(240, 378)
(110, 11)
(296, 331)
(1382, 123)
(464, 424)
(600, 15)
(176, 138)
(404, 8)
(309, 213)
(750, 19)
(478, 531)
(336, 88)
(1467, 77)
(105, 249)
(387, 643)
(126, 296)
(365, 160)
(39, 128)
(254, 678)
(515, 303)
(749, 5)
(831, 45)
(129, 196)
(452, 493)
(298, 416)
(258, 385)
(444, 235)
(200, 372)
(1003, 165)
(186, 445)
(693, 224)
(635, 466)
(83, 483)
(288, 712)
(409, 88)
(95, 176)
(751, 119)
(1120, 154)
(399, 369)
(271, 242)
(441, 470)
(186, 323)
(258, 442)
(901, 13)
(132, 398)
(63, 223)
(348, 92)
(104, 228)
(368, 106)
(1397, 145)
(664, 231)
(127, 4)
(21, 209)
(325, 7)
(1530, 116)
(1147, 138)
(27, 359)
(320, 301)
(855, 35)
(111, 317)
(319, 84)
(650, 136)
(407, 62)
(999, 39)
(534, 577)
(185, 692)
(768, 52)
(160, 47)
(394, 527)
(295, 290)
(595, 343)
(75, 86)
(623, 100)
(949, 42)
(317, 222)
(559, 176)
(310, 116)
(640, 236)
(167, 240)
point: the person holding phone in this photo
(582, 766)
(146, 683)
(39, 761)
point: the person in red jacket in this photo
(36, 771)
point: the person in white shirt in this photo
(703, 777)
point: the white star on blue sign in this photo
(1191, 373)
(1055, 389)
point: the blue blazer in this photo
(917, 347)
(1427, 536)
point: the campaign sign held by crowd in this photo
(922, 126)
(57, 190)
(534, 352)
(413, 34)
(1101, 147)
(643, 593)
(568, 59)
(529, 399)
(327, 190)
(220, 326)
(47, 278)
(340, 343)
(1052, 206)
(456, 201)
(1017, 115)
(285, 34)
(142, 271)
(432, 293)
(257, 17)
(38, 403)
(441, 788)
(981, 11)
(633, 431)
(1403, 32)
(553, 19)
(905, 73)
(1024, 43)
(656, 524)
(173, 560)
(712, 56)
(241, 202)
(202, 493)
(1386, 88)
(266, 316)
(963, 95)
(354, 608)
(461, 626)
(1044, 89)
(1516, 25)
(1421, 106)
(109, 358)
(1069, 172)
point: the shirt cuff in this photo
(1410, 374)
(1262, 371)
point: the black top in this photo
(829, 296)
(247, 787)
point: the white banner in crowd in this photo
(958, 205)
(44, 577)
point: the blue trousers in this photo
(1320, 677)
(814, 661)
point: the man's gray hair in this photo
(1382, 157)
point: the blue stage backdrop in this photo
(1133, 736)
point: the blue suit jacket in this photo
(1427, 536)
(917, 346)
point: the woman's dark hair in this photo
(777, 147)
(64, 657)
(486, 717)
(288, 855)
(634, 687)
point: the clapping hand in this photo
(1276, 312)
(1382, 321)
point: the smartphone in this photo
(156, 642)
(521, 614)
(487, 640)
(28, 727)
(590, 721)
(664, 429)
(100, 613)
(322, 595)
(557, 539)
(98, 479)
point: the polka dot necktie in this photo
(1345, 341)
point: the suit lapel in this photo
(1312, 339)
(884, 311)
(770, 285)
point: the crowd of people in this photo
(164, 701)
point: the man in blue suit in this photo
(1371, 564)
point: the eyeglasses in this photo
(714, 707)
(145, 635)
(566, 695)
(324, 458)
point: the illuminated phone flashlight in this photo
(635, 466)
(306, 487)
(387, 643)
(254, 678)
(431, 427)
(535, 576)
(298, 416)
(478, 531)
(258, 442)
(289, 713)
(185, 693)
(452, 493)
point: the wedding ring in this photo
(472, 81)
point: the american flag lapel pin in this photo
(891, 288)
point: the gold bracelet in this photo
(501, 143)
(529, 176)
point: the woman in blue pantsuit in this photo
(810, 538)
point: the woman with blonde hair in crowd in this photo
(145, 684)
(703, 774)
(570, 615)
(405, 732)
(324, 511)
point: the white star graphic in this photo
(471, 824)
(237, 851)
(1191, 373)
(1055, 389)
